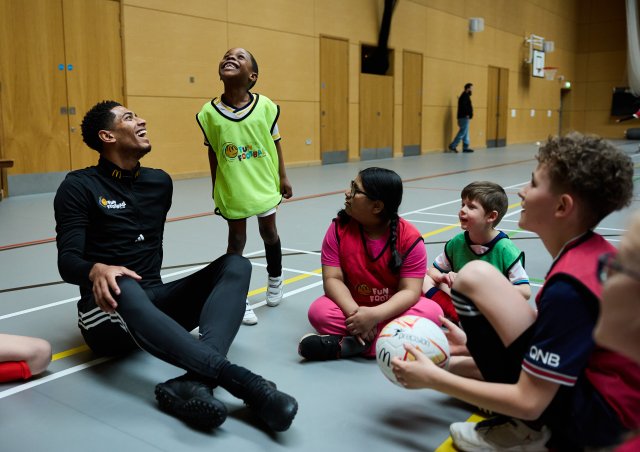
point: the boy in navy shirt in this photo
(542, 368)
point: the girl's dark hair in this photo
(381, 184)
(100, 117)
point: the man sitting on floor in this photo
(110, 223)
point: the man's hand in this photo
(104, 282)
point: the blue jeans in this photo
(463, 134)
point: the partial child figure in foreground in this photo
(21, 357)
(247, 168)
(618, 326)
(373, 264)
(543, 371)
(484, 204)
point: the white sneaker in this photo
(250, 317)
(500, 433)
(275, 289)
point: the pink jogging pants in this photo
(327, 318)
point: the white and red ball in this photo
(420, 332)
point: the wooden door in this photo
(503, 106)
(376, 116)
(492, 106)
(497, 106)
(411, 103)
(334, 100)
(33, 95)
(94, 65)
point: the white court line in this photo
(95, 362)
(288, 294)
(291, 270)
(454, 224)
(48, 378)
(454, 201)
(510, 214)
(192, 269)
(168, 275)
(302, 251)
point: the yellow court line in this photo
(447, 446)
(71, 351)
(83, 348)
(317, 271)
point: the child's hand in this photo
(361, 321)
(285, 188)
(449, 278)
(414, 374)
(456, 337)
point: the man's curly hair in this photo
(591, 169)
(98, 118)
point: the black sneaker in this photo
(323, 347)
(451, 149)
(468, 150)
(191, 401)
(275, 408)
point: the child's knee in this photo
(237, 241)
(473, 275)
(269, 234)
(41, 356)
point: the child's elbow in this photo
(531, 409)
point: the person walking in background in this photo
(465, 114)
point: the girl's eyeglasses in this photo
(355, 190)
(607, 264)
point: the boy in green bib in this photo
(483, 206)
(247, 169)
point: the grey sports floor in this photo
(87, 403)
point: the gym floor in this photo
(84, 402)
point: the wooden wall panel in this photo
(334, 95)
(412, 34)
(411, 117)
(438, 127)
(290, 15)
(94, 48)
(163, 51)
(32, 87)
(446, 37)
(289, 68)
(455, 8)
(443, 81)
(174, 134)
(598, 95)
(603, 66)
(172, 51)
(357, 19)
(376, 111)
(601, 123)
(298, 123)
(354, 131)
(212, 9)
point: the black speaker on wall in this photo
(623, 103)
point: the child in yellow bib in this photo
(247, 169)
